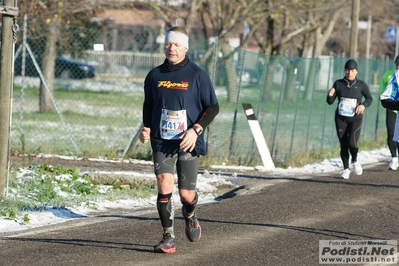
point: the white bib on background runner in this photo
(347, 107)
(173, 123)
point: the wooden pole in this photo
(354, 28)
(6, 73)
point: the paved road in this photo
(269, 221)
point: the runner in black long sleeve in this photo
(179, 103)
(349, 114)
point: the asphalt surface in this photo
(266, 221)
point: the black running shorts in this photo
(186, 167)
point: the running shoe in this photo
(193, 228)
(166, 245)
(345, 174)
(393, 164)
(358, 168)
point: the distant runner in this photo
(349, 114)
(390, 119)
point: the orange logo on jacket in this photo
(173, 85)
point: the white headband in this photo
(176, 37)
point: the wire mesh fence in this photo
(99, 95)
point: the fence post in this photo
(233, 130)
(325, 106)
(6, 74)
(280, 102)
(303, 69)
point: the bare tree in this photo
(214, 18)
(53, 14)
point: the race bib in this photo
(347, 107)
(173, 123)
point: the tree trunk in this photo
(231, 73)
(311, 80)
(291, 80)
(48, 66)
(270, 67)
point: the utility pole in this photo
(368, 37)
(354, 28)
(397, 38)
(9, 12)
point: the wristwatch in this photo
(198, 130)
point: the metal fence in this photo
(101, 115)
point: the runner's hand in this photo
(360, 109)
(189, 138)
(331, 92)
(145, 135)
